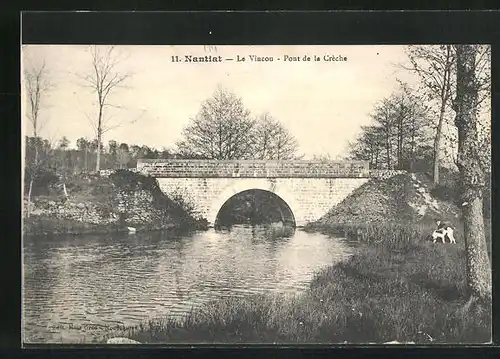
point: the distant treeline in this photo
(114, 155)
(46, 163)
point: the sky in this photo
(322, 103)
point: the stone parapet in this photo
(252, 169)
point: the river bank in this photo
(397, 286)
(107, 204)
(409, 291)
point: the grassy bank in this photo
(396, 287)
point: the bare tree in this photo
(399, 130)
(482, 64)
(434, 65)
(37, 83)
(264, 133)
(286, 145)
(272, 140)
(221, 130)
(103, 79)
(471, 174)
(368, 146)
(413, 125)
(385, 121)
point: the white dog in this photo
(442, 233)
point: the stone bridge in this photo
(306, 190)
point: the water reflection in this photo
(104, 280)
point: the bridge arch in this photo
(242, 185)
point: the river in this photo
(76, 287)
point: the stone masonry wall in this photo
(252, 169)
(308, 198)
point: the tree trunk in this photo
(99, 136)
(28, 211)
(388, 152)
(36, 152)
(471, 176)
(65, 191)
(437, 144)
(33, 176)
(478, 265)
(400, 140)
(85, 160)
(98, 158)
(412, 148)
(444, 96)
